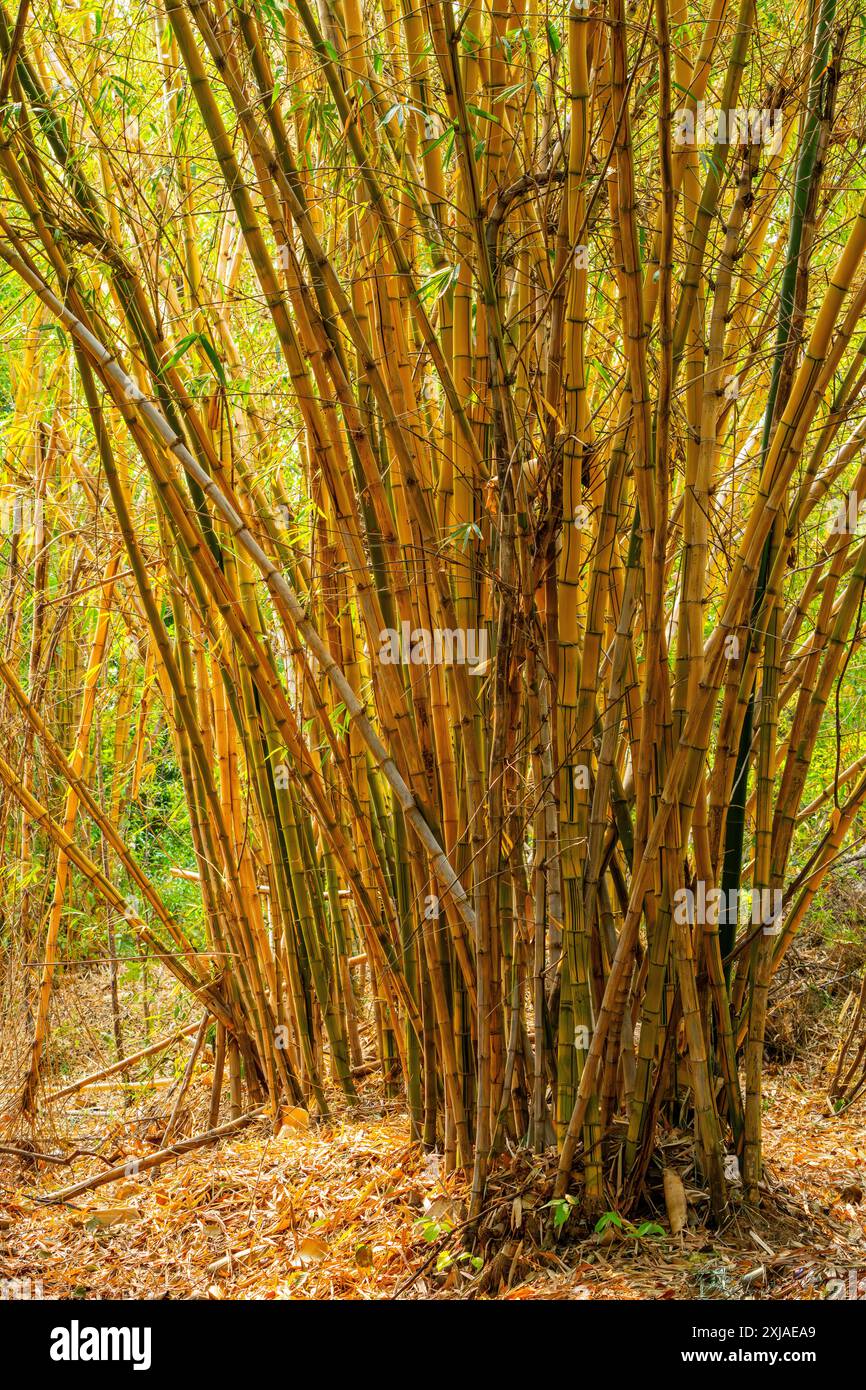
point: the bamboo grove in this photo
(451, 436)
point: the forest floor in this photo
(350, 1208)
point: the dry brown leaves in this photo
(352, 1209)
(321, 1212)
